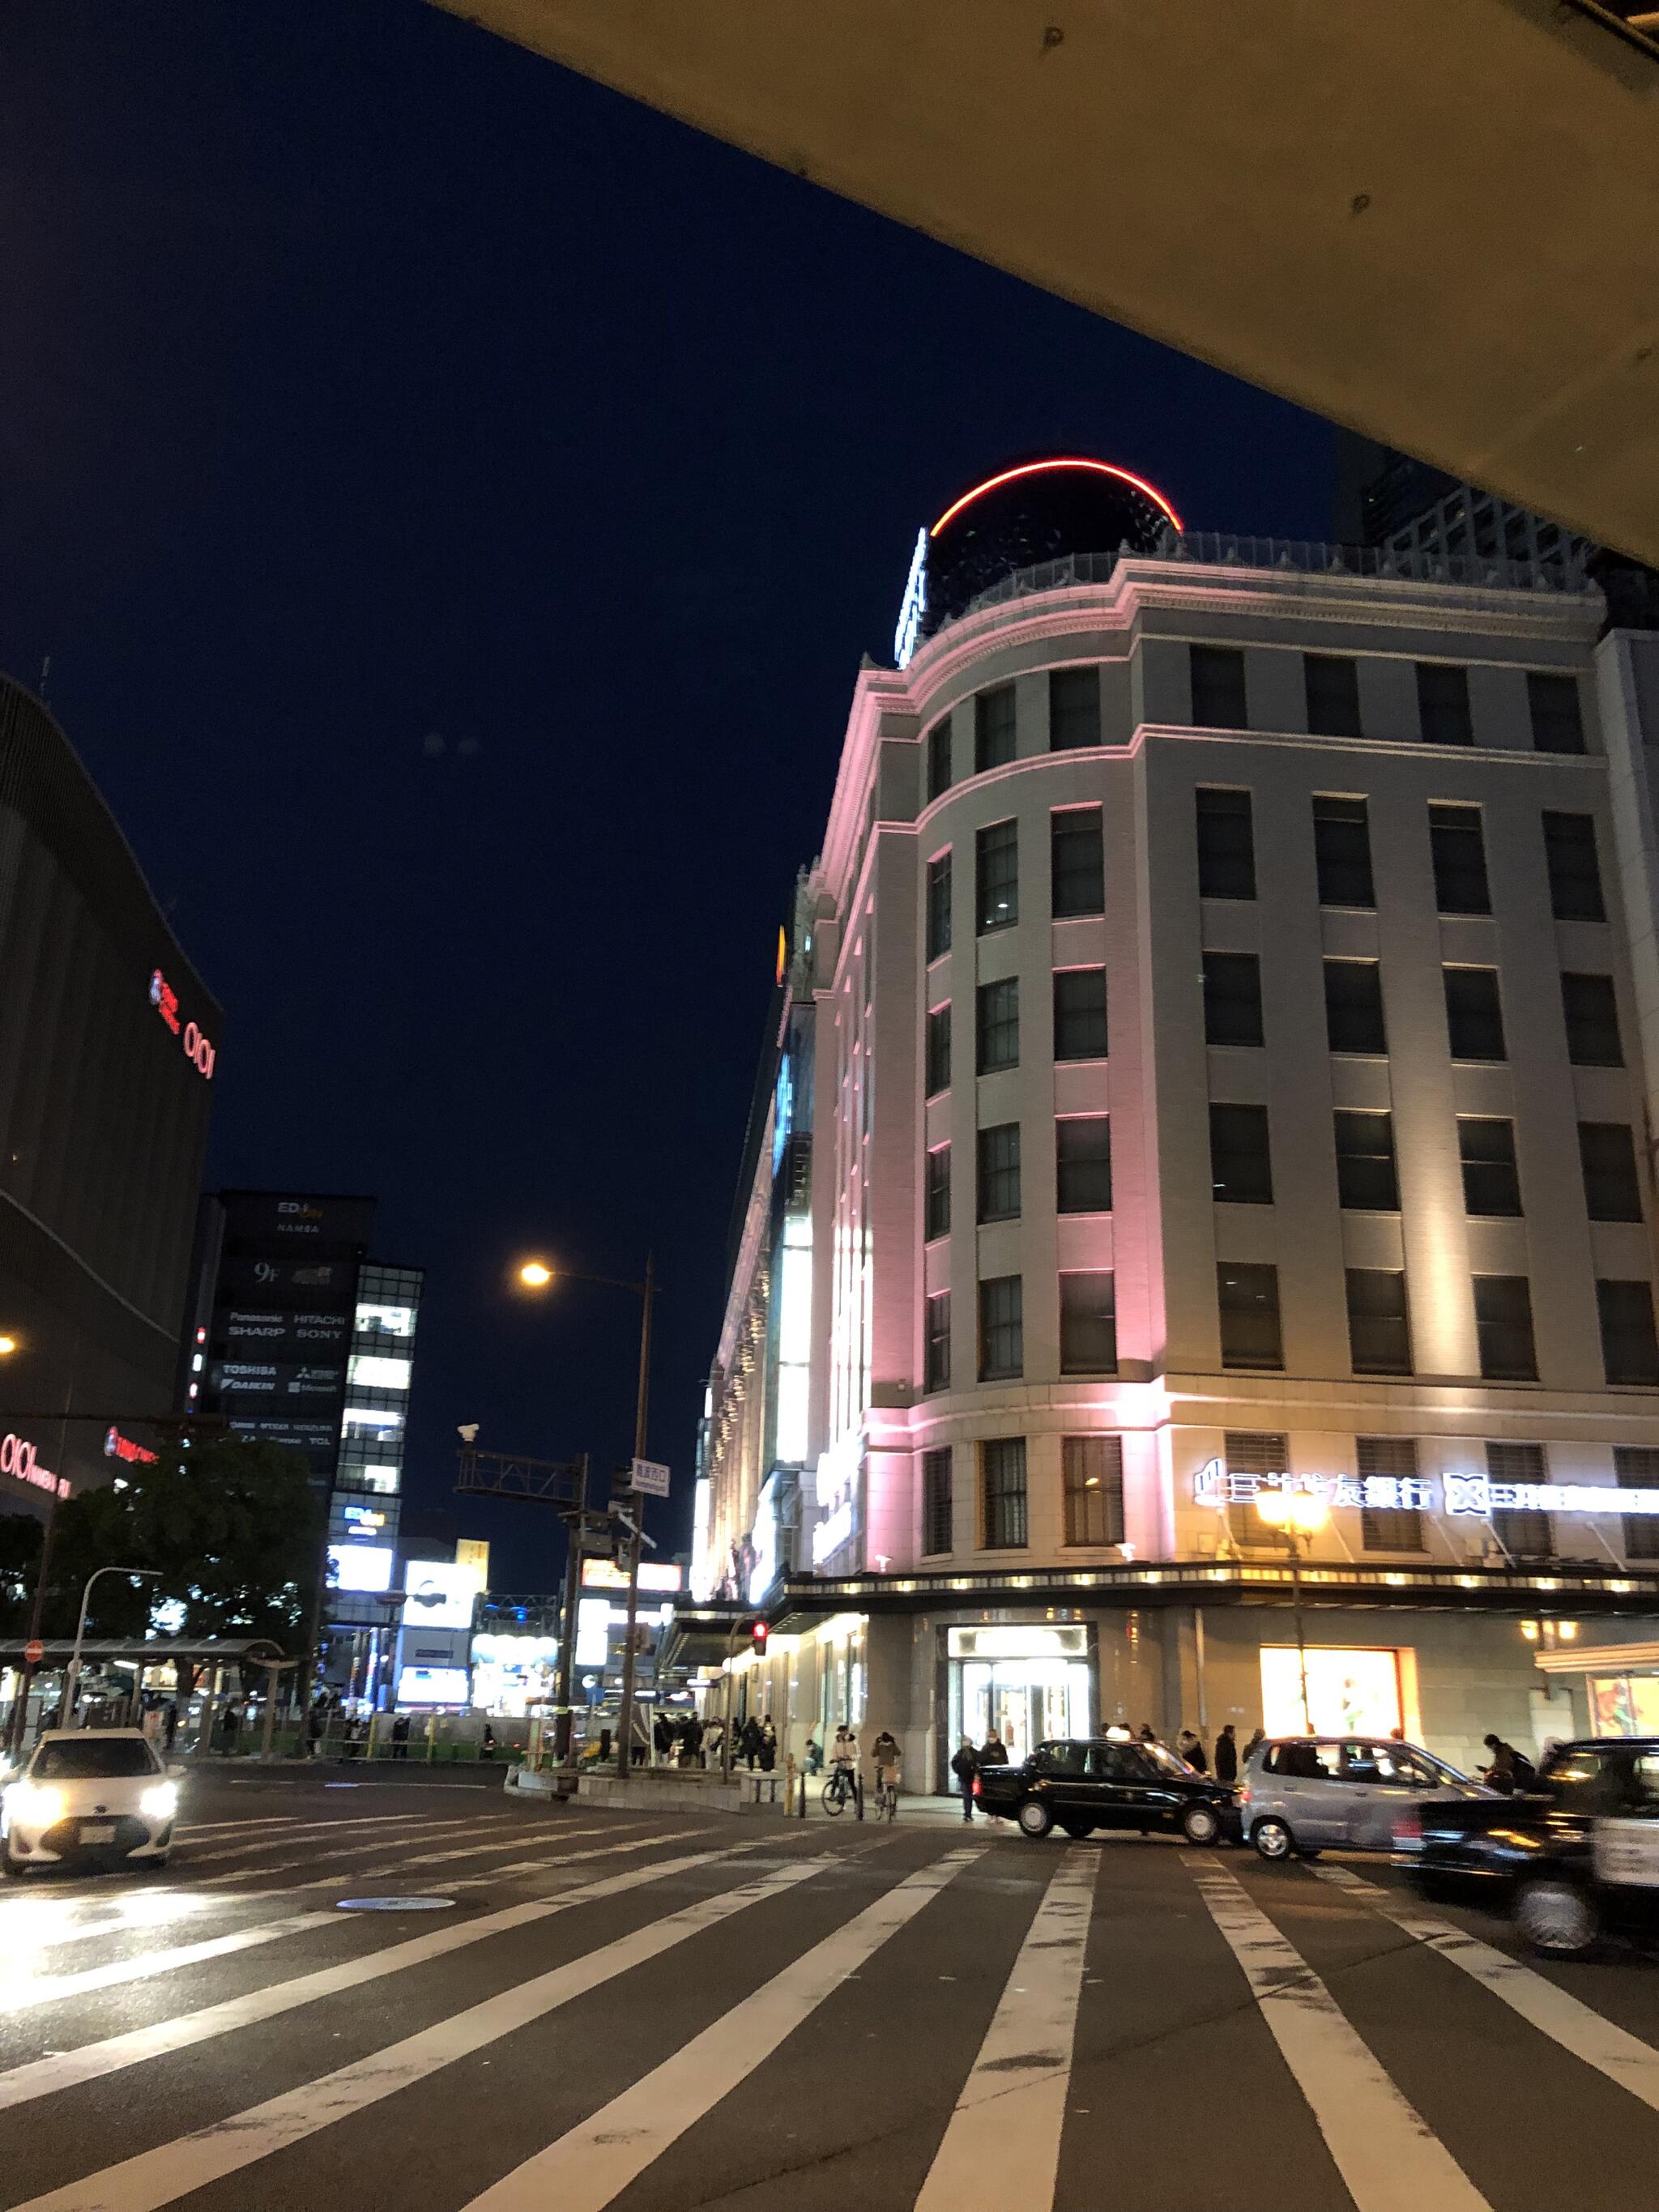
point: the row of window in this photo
(1220, 702)
(1379, 1326)
(1367, 1173)
(1342, 855)
(1083, 1173)
(1091, 1486)
(1077, 876)
(1400, 1528)
(1079, 1022)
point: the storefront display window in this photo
(1029, 1684)
(1625, 1704)
(1349, 1693)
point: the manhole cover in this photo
(395, 1905)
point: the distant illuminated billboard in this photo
(434, 1685)
(439, 1594)
(360, 1567)
(662, 1580)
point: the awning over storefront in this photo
(1599, 1659)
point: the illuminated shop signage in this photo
(197, 1050)
(19, 1458)
(116, 1446)
(914, 606)
(1466, 1497)
(836, 1485)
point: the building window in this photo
(1575, 872)
(997, 875)
(1092, 1472)
(1366, 1180)
(939, 759)
(1073, 709)
(1388, 1527)
(1249, 1298)
(1240, 1172)
(1083, 1164)
(1636, 1466)
(1443, 704)
(1525, 1535)
(1226, 845)
(1002, 1329)
(1342, 852)
(1503, 1326)
(1088, 1324)
(1332, 683)
(1379, 1330)
(994, 728)
(1077, 853)
(936, 1354)
(1257, 1452)
(1592, 1015)
(939, 1191)
(1629, 1350)
(1002, 1486)
(1475, 1014)
(1218, 672)
(1353, 1007)
(999, 1173)
(1232, 997)
(936, 1501)
(1492, 1181)
(998, 1025)
(1460, 861)
(1607, 1151)
(1080, 1013)
(1557, 726)
(939, 1049)
(938, 907)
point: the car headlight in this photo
(159, 1803)
(38, 1806)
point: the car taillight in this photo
(1243, 1793)
(979, 1786)
(1408, 1829)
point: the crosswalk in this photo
(644, 2014)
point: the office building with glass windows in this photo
(1233, 974)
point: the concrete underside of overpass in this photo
(1436, 221)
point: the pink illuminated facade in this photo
(1216, 1057)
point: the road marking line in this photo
(390, 1866)
(1623, 2057)
(29, 1991)
(174, 2169)
(191, 1860)
(1002, 2145)
(1381, 2144)
(587, 2167)
(363, 1844)
(91, 2062)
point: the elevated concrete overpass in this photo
(1435, 221)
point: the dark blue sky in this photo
(454, 501)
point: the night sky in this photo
(454, 501)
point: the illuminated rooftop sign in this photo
(1464, 1497)
(197, 1050)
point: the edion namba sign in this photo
(19, 1459)
(197, 1050)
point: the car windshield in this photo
(1165, 1761)
(89, 1759)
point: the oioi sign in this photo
(1464, 1497)
(165, 1000)
(19, 1459)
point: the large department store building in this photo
(1215, 1061)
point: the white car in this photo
(98, 1795)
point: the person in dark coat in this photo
(964, 1765)
(994, 1751)
(1189, 1746)
(1226, 1755)
(749, 1742)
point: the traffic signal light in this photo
(759, 1632)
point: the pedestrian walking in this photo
(1257, 1740)
(487, 1749)
(400, 1737)
(1189, 1746)
(233, 1728)
(768, 1744)
(1226, 1755)
(964, 1765)
(1148, 1732)
(1511, 1770)
(748, 1741)
(994, 1751)
(692, 1754)
(170, 1723)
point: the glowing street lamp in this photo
(7, 1346)
(1297, 1517)
(535, 1274)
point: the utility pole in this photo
(625, 1708)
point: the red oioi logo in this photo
(19, 1458)
(165, 1000)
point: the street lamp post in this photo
(1296, 1515)
(536, 1275)
(72, 1681)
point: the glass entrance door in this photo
(1026, 1701)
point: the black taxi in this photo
(1079, 1783)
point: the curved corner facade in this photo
(1236, 1037)
(108, 1052)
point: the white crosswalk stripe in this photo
(1623, 2057)
(1382, 2148)
(1002, 2146)
(158, 2176)
(190, 1861)
(593, 2163)
(64, 2069)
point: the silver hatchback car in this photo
(1300, 1795)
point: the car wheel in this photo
(1035, 1819)
(1077, 1830)
(1557, 1919)
(14, 1869)
(1201, 1824)
(1272, 1839)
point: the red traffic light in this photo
(760, 1632)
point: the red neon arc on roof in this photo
(1037, 468)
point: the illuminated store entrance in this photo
(1028, 1684)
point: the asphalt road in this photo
(659, 2014)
